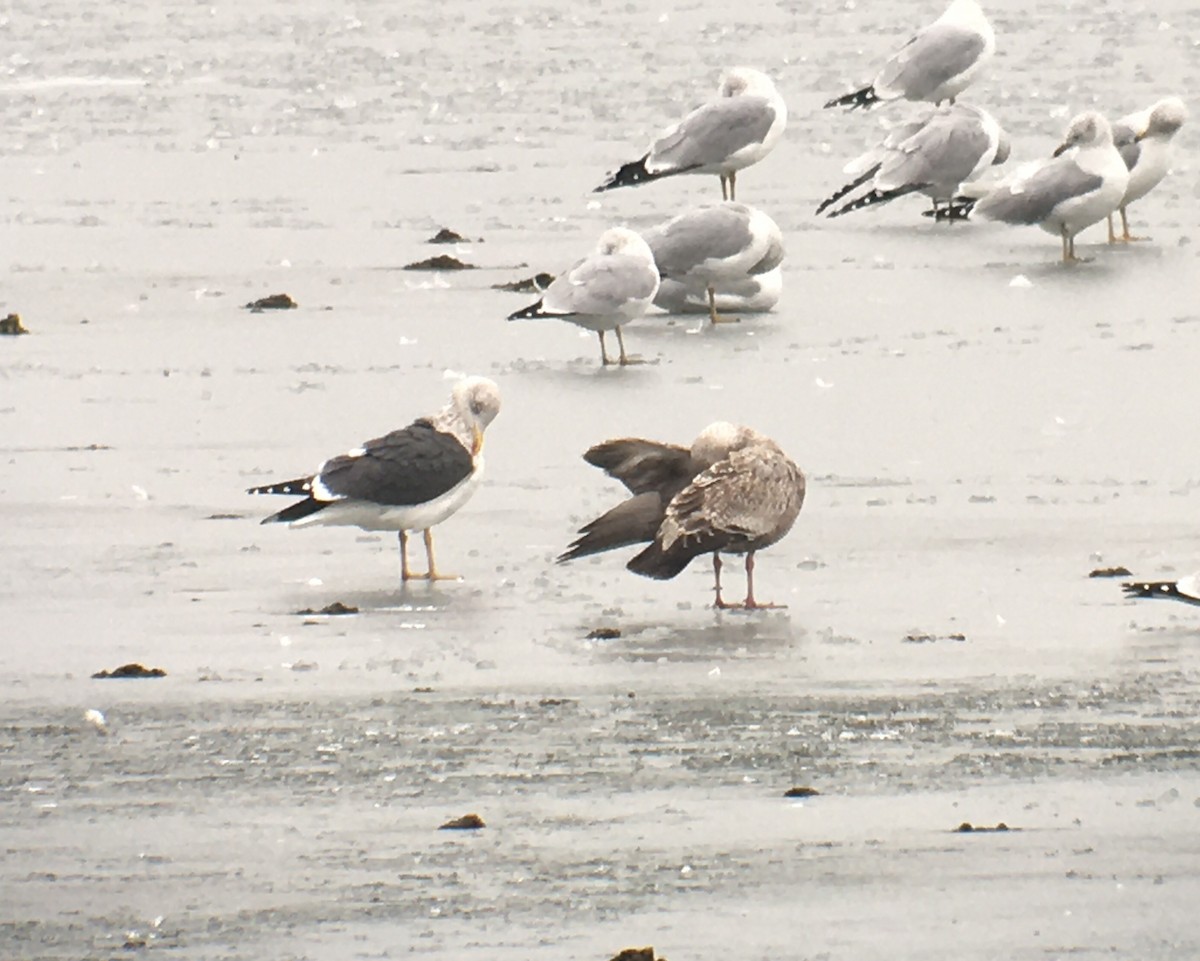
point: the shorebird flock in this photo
(733, 490)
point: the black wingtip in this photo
(864, 98)
(871, 198)
(1167, 590)
(957, 209)
(629, 175)
(533, 310)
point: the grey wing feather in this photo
(642, 465)
(929, 59)
(1126, 142)
(600, 285)
(944, 151)
(712, 133)
(716, 232)
(408, 466)
(771, 259)
(1034, 198)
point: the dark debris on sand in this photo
(636, 954)
(921, 637)
(448, 236)
(131, 671)
(801, 792)
(1111, 572)
(468, 822)
(968, 828)
(440, 262)
(334, 609)
(11, 326)
(527, 285)
(603, 634)
(274, 302)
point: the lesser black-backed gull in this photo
(1186, 589)
(937, 64)
(611, 286)
(408, 480)
(716, 243)
(725, 135)
(1144, 141)
(1080, 185)
(733, 491)
(932, 154)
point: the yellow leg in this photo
(1125, 234)
(405, 573)
(433, 574)
(626, 360)
(603, 350)
(712, 310)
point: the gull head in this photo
(622, 240)
(720, 439)
(738, 81)
(474, 403)
(1166, 117)
(1086, 130)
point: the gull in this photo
(710, 245)
(1080, 185)
(611, 286)
(1144, 141)
(407, 480)
(935, 65)
(932, 154)
(751, 294)
(733, 491)
(724, 136)
(1186, 589)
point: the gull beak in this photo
(476, 441)
(1061, 149)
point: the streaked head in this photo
(1166, 117)
(1085, 130)
(720, 439)
(474, 403)
(738, 81)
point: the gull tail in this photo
(871, 198)
(1168, 590)
(866, 97)
(634, 521)
(957, 209)
(659, 564)
(854, 184)
(295, 512)
(630, 175)
(533, 310)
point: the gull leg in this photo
(1125, 234)
(712, 310)
(751, 603)
(719, 603)
(626, 360)
(603, 350)
(406, 573)
(433, 574)
(732, 182)
(724, 187)
(1112, 237)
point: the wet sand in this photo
(974, 449)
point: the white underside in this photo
(752, 294)
(389, 517)
(1189, 586)
(1079, 212)
(1152, 165)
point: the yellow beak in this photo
(477, 444)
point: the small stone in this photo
(468, 822)
(440, 262)
(11, 326)
(447, 236)
(1111, 572)
(603, 634)
(131, 671)
(636, 954)
(273, 302)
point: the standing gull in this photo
(1186, 589)
(1080, 185)
(751, 294)
(1144, 141)
(932, 154)
(611, 286)
(408, 480)
(935, 65)
(709, 245)
(725, 135)
(733, 491)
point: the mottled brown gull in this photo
(407, 480)
(733, 491)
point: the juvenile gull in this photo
(733, 491)
(932, 154)
(1080, 185)
(935, 65)
(711, 245)
(1144, 142)
(1186, 589)
(408, 480)
(752, 294)
(611, 286)
(724, 136)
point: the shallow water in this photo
(973, 448)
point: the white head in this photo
(474, 403)
(622, 240)
(1166, 117)
(738, 81)
(1087, 130)
(720, 439)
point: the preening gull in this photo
(1144, 142)
(724, 136)
(1186, 589)
(611, 286)
(752, 294)
(935, 65)
(932, 154)
(408, 480)
(1080, 185)
(709, 245)
(734, 491)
